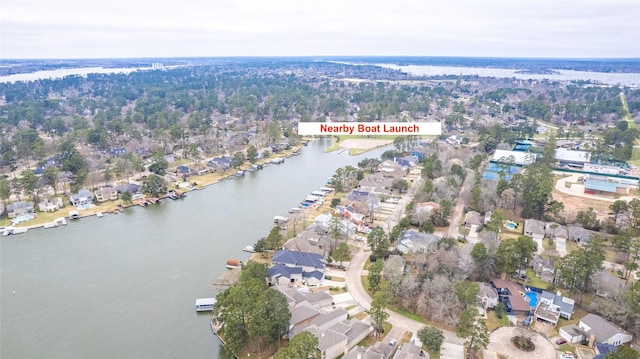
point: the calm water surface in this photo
(124, 286)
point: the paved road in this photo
(501, 344)
(360, 295)
(457, 214)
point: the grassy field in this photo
(369, 341)
(493, 322)
(338, 139)
(534, 281)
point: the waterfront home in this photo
(391, 169)
(552, 307)
(296, 267)
(129, 187)
(18, 209)
(597, 330)
(106, 194)
(184, 170)
(407, 161)
(220, 164)
(50, 204)
(83, 198)
(312, 239)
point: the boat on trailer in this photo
(249, 248)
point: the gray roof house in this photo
(82, 198)
(488, 296)
(301, 317)
(544, 268)
(307, 261)
(410, 351)
(312, 240)
(553, 306)
(296, 267)
(534, 228)
(18, 209)
(578, 234)
(106, 194)
(412, 241)
(607, 285)
(378, 351)
(555, 230)
(604, 331)
(473, 218)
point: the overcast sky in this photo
(175, 28)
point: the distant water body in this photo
(60, 73)
(620, 79)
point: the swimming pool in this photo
(511, 225)
(533, 298)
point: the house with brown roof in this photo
(512, 296)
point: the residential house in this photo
(331, 344)
(282, 275)
(129, 187)
(379, 350)
(106, 194)
(347, 228)
(302, 314)
(488, 296)
(312, 239)
(295, 296)
(394, 265)
(50, 204)
(544, 268)
(534, 228)
(410, 351)
(82, 198)
(578, 234)
(552, 307)
(311, 264)
(407, 161)
(555, 231)
(426, 209)
(391, 169)
(607, 285)
(413, 241)
(183, 170)
(511, 295)
(594, 327)
(473, 221)
(22, 208)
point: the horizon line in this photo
(324, 57)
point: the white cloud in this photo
(119, 28)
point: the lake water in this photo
(60, 73)
(624, 79)
(124, 286)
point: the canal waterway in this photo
(124, 286)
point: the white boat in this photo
(277, 160)
(74, 215)
(318, 193)
(205, 304)
(280, 220)
(326, 189)
(99, 215)
(249, 248)
(295, 210)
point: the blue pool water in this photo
(533, 298)
(511, 225)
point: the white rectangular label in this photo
(369, 128)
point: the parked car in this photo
(412, 340)
(393, 343)
(561, 341)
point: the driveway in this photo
(452, 351)
(561, 246)
(500, 342)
